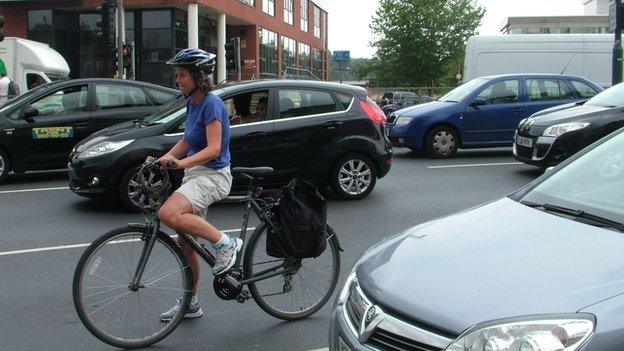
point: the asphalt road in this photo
(42, 225)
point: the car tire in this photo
(5, 165)
(354, 177)
(128, 188)
(442, 142)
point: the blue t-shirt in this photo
(198, 116)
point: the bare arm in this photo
(179, 149)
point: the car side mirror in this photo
(478, 102)
(30, 112)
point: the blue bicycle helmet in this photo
(194, 59)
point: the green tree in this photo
(422, 42)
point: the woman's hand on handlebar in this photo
(169, 162)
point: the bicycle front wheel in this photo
(298, 293)
(117, 313)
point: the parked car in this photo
(331, 134)
(396, 97)
(394, 106)
(552, 135)
(39, 129)
(541, 269)
(484, 112)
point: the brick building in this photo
(277, 36)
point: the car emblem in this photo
(371, 318)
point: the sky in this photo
(349, 19)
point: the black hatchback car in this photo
(39, 129)
(331, 134)
(550, 136)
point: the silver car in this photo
(539, 270)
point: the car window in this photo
(501, 92)
(387, 96)
(547, 89)
(34, 80)
(119, 96)
(161, 97)
(301, 102)
(584, 90)
(62, 102)
(344, 100)
(248, 107)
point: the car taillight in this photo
(373, 112)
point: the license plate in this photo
(53, 133)
(522, 141)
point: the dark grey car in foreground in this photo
(541, 269)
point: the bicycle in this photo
(128, 276)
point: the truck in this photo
(585, 55)
(29, 63)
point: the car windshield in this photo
(166, 113)
(612, 97)
(460, 93)
(593, 183)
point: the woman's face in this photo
(184, 80)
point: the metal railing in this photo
(376, 93)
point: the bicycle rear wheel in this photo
(294, 295)
(104, 300)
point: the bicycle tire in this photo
(252, 257)
(130, 315)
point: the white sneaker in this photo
(226, 256)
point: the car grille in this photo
(524, 152)
(531, 130)
(382, 338)
(392, 118)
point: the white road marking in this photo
(33, 190)
(76, 246)
(477, 165)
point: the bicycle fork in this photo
(151, 235)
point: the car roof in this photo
(268, 83)
(544, 75)
(109, 80)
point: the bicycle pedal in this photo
(243, 296)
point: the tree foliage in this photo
(422, 42)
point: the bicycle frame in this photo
(153, 227)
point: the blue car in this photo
(483, 112)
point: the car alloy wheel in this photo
(4, 165)
(131, 195)
(354, 177)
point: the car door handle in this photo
(255, 134)
(517, 109)
(83, 125)
(333, 124)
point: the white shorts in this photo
(202, 186)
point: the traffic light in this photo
(127, 56)
(1, 25)
(230, 55)
(106, 26)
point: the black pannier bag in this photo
(302, 215)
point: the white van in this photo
(28, 61)
(585, 55)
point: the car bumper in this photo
(549, 151)
(406, 135)
(92, 178)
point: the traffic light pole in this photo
(120, 38)
(617, 45)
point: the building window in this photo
(289, 50)
(249, 2)
(317, 22)
(288, 11)
(317, 63)
(157, 47)
(268, 6)
(40, 26)
(304, 15)
(268, 53)
(304, 56)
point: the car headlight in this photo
(403, 120)
(559, 129)
(547, 333)
(102, 148)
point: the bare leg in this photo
(193, 260)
